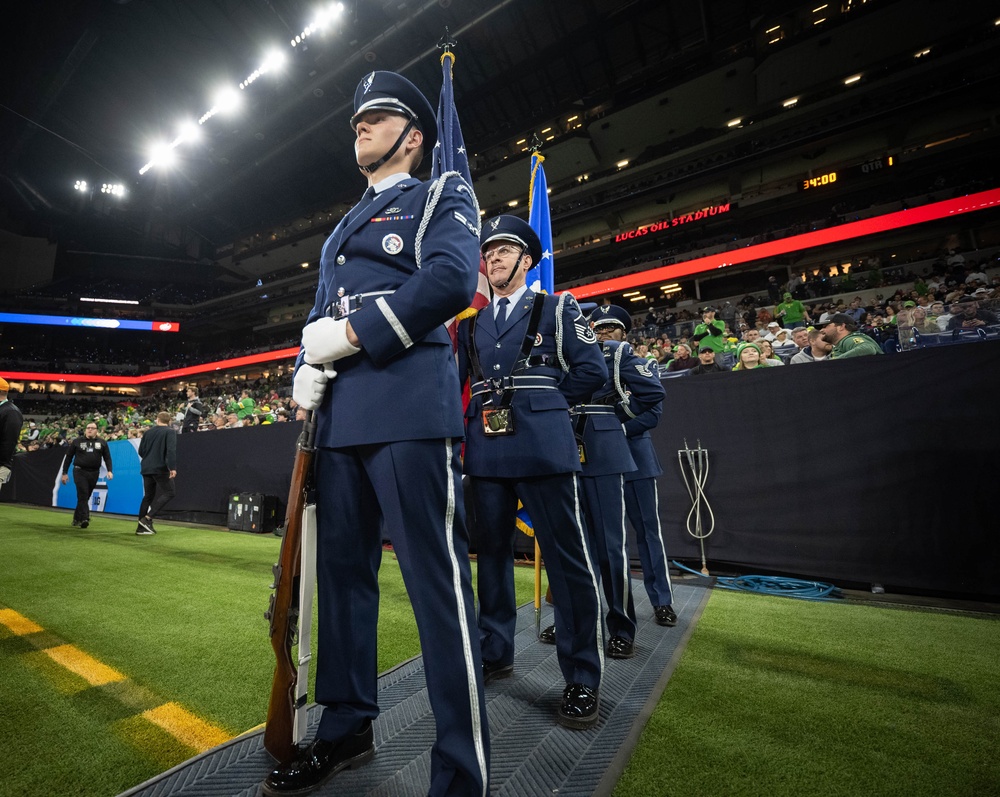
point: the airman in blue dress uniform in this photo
(631, 390)
(530, 356)
(642, 501)
(387, 400)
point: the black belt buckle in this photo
(498, 421)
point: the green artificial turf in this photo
(180, 614)
(775, 696)
(772, 696)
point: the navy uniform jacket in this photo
(543, 442)
(403, 385)
(631, 390)
(640, 442)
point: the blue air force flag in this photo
(542, 274)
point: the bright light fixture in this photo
(791, 102)
(852, 79)
(734, 123)
(621, 164)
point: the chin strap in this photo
(371, 167)
(513, 271)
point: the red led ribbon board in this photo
(796, 243)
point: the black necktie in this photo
(502, 314)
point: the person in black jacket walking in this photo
(158, 452)
(11, 421)
(86, 454)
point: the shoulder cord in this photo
(559, 330)
(433, 197)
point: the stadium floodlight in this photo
(162, 155)
(273, 61)
(320, 23)
(227, 100)
(80, 185)
(187, 132)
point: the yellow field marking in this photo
(18, 623)
(186, 727)
(172, 718)
(87, 667)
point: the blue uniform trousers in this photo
(413, 490)
(604, 503)
(642, 504)
(554, 507)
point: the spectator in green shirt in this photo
(709, 333)
(791, 313)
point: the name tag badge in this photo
(498, 421)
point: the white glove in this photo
(325, 341)
(4, 474)
(309, 384)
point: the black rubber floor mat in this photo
(530, 753)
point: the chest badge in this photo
(538, 339)
(392, 244)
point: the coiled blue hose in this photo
(773, 585)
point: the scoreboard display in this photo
(834, 176)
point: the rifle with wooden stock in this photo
(284, 611)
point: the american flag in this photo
(450, 155)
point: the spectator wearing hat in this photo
(710, 332)
(817, 350)
(529, 357)
(748, 357)
(791, 313)
(841, 332)
(706, 364)
(11, 421)
(771, 331)
(377, 370)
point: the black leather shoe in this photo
(621, 648)
(494, 671)
(84, 524)
(318, 762)
(665, 615)
(548, 635)
(579, 707)
(75, 524)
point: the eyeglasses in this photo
(504, 251)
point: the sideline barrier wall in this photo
(874, 469)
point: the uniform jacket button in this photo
(496, 367)
(341, 260)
